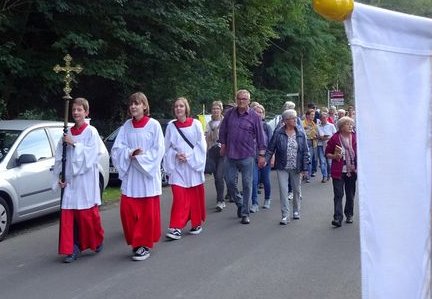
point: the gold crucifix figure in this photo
(68, 69)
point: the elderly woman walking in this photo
(292, 158)
(342, 149)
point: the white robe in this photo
(82, 174)
(141, 177)
(189, 173)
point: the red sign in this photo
(336, 94)
(337, 97)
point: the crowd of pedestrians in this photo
(238, 144)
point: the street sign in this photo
(337, 97)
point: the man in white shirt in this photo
(325, 132)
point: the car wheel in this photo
(5, 218)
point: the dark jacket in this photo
(278, 146)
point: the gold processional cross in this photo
(68, 69)
(69, 76)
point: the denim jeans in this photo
(245, 167)
(323, 161)
(313, 156)
(263, 175)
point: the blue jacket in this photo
(278, 146)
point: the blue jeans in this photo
(263, 175)
(245, 167)
(323, 161)
(313, 156)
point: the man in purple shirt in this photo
(241, 134)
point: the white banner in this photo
(392, 55)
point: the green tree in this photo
(165, 48)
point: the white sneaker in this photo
(254, 208)
(174, 234)
(220, 206)
(266, 204)
(296, 215)
(284, 220)
(196, 230)
(141, 254)
(290, 195)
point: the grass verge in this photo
(111, 195)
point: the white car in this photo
(27, 149)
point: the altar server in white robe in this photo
(137, 154)
(80, 225)
(184, 161)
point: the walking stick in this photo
(68, 77)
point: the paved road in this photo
(305, 259)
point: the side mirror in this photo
(26, 158)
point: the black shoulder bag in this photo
(183, 136)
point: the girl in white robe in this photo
(80, 223)
(184, 162)
(137, 154)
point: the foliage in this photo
(3, 109)
(169, 49)
(36, 113)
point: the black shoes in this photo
(349, 219)
(72, 257)
(245, 220)
(337, 223)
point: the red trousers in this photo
(141, 220)
(81, 227)
(188, 204)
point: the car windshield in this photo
(7, 139)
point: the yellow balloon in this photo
(335, 10)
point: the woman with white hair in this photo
(340, 113)
(290, 148)
(342, 149)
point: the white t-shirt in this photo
(327, 129)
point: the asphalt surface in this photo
(307, 258)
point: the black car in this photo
(109, 142)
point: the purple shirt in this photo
(242, 134)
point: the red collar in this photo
(140, 123)
(76, 131)
(187, 123)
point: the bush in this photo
(3, 108)
(48, 114)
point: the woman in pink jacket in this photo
(342, 149)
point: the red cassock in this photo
(85, 224)
(188, 204)
(141, 220)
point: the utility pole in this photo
(302, 84)
(234, 59)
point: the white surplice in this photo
(141, 177)
(189, 173)
(82, 174)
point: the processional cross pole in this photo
(68, 77)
